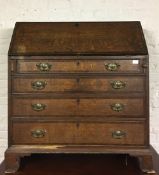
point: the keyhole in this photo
(78, 80)
(76, 24)
(78, 101)
(78, 63)
(77, 125)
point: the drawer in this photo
(77, 107)
(118, 133)
(71, 66)
(80, 84)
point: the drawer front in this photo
(125, 133)
(103, 66)
(108, 84)
(80, 107)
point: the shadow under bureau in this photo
(78, 87)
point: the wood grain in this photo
(76, 164)
(74, 66)
(78, 95)
(79, 133)
(78, 84)
(68, 38)
(77, 107)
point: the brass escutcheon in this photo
(112, 66)
(44, 67)
(118, 84)
(117, 107)
(38, 85)
(38, 107)
(38, 133)
(118, 134)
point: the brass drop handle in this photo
(118, 134)
(38, 133)
(38, 85)
(117, 107)
(38, 107)
(118, 84)
(112, 66)
(44, 67)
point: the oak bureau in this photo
(78, 87)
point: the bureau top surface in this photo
(77, 38)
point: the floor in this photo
(63, 164)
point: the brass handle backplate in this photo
(44, 67)
(38, 107)
(118, 84)
(38, 133)
(118, 134)
(112, 66)
(38, 85)
(117, 107)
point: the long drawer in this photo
(82, 84)
(68, 66)
(80, 107)
(119, 133)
